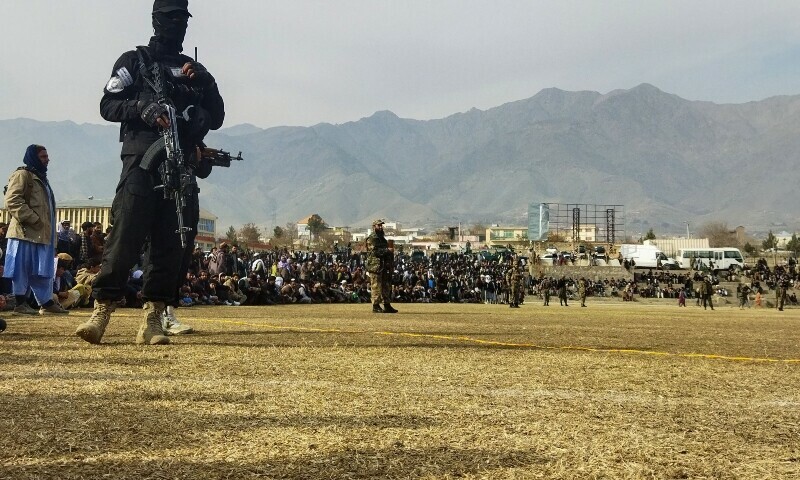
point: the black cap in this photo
(166, 6)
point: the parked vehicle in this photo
(488, 256)
(548, 258)
(646, 256)
(716, 259)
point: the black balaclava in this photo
(170, 30)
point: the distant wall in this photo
(591, 273)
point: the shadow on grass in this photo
(395, 461)
(96, 441)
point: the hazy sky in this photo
(301, 62)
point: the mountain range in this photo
(668, 160)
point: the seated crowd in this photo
(230, 276)
(77, 264)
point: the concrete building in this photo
(587, 233)
(98, 210)
(303, 232)
(783, 238)
(206, 230)
(303, 228)
(501, 236)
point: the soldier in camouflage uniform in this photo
(380, 263)
(582, 291)
(514, 280)
(546, 291)
(507, 283)
(781, 292)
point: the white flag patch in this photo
(125, 76)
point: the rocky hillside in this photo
(668, 160)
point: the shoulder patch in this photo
(120, 81)
(114, 85)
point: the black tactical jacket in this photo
(127, 86)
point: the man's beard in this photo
(380, 233)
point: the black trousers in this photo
(707, 301)
(144, 222)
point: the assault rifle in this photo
(175, 170)
(219, 158)
(175, 176)
(166, 152)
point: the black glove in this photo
(202, 166)
(150, 112)
(199, 122)
(203, 169)
(198, 75)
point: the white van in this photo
(646, 256)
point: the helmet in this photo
(378, 221)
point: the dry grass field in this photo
(437, 391)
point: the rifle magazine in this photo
(154, 156)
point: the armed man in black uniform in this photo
(143, 84)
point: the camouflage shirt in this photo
(378, 254)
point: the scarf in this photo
(33, 164)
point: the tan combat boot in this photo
(92, 331)
(151, 331)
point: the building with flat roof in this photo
(501, 236)
(99, 210)
(206, 230)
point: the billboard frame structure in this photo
(566, 220)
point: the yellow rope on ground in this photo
(517, 345)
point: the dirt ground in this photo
(437, 391)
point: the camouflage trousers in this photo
(381, 286)
(514, 295)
